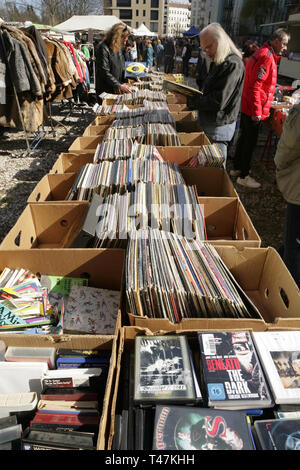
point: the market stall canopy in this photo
(191, 32)
(142, 30)
(89, 22)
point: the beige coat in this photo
(287, 158)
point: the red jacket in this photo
(260, 82)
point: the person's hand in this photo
(256, 118)
(125, 88)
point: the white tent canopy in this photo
(89, 22)
(142, 30)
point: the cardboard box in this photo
(83, 342)
(227, 222)
(104, 268)
(53, 187)
(86, 144)
(210, 182)
(127, 344)
(91, 131)
(71, 162)
(177, 108)
(264, 278)
(51, 225)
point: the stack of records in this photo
(138, 97)
(148, 116)
(207, 156)
(164, 207)
(108, 177)
(231, 371)
(169, 276)
(149, 133)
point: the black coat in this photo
(222, 90)
(110, 69)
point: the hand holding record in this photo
(125, 88)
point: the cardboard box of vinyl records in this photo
(53, 187)
(51, 225)
(267, 283)
(104, 269)
(227, 222)
(71, 162)
(89, 144)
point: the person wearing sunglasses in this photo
(110, 62)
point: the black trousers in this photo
(169, 63)
(246, 144)
(185, 67)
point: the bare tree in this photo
(56, 11)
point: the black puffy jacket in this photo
(222, 89)
(110, 68)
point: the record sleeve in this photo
(231, 371)
(177, 87)
(188, 428)
(135, 69)
(163, 372)
(279, 353)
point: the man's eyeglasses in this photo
(207, 48)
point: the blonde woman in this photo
(110, 63)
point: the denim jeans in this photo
(291, 255)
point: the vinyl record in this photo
(135, 68)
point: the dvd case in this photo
(163, 370)
(188, 428)
(231, 371)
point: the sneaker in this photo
(248, 182)
(235, 172)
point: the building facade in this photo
(204, 12)
(136, 12)
(164, 17)
(177, 17)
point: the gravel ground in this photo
(20, 171)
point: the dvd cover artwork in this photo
(184, 428)
(278, 434)
(163, 370)
(231, 369)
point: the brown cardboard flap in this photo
(212, 182)
(85, 144)
(193, 138)
(103, 267)
(226, 219)
(177, 108)
(266, 280)
(52, 187)
(104, 120)
(71, 162)
(91, 131)
(51, 225)
(162, 324)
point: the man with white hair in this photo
(219, 105)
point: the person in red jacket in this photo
(257, 96)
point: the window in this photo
(144, 12)
(154, 15)
(125, 14)
(136, 12)
(123, 3)
(154, 27)
(154, 3)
